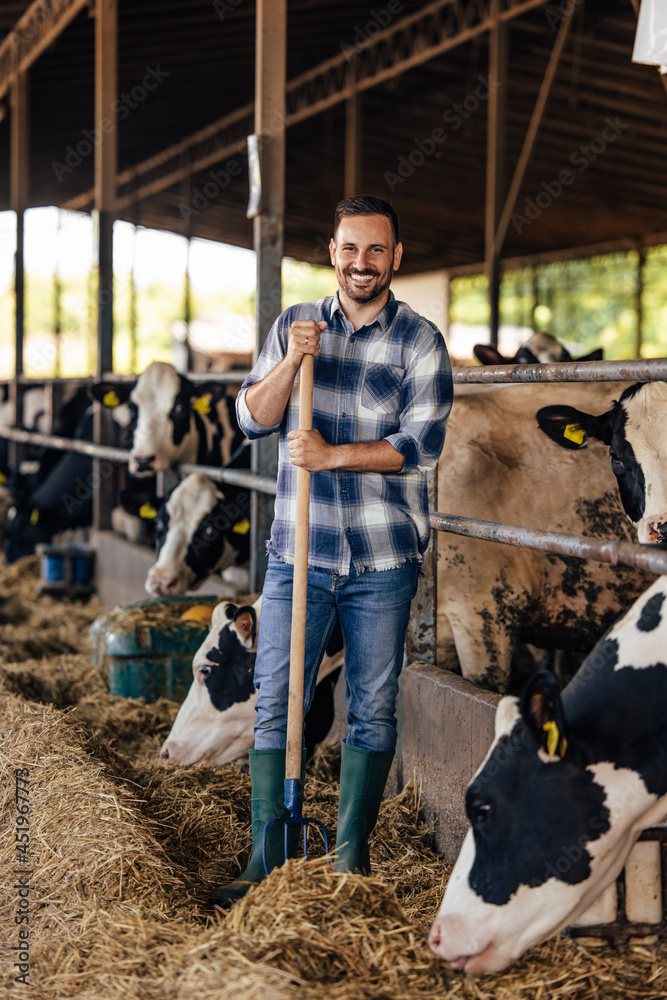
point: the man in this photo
(382, 395)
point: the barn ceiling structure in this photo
(499, 129)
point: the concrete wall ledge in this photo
(446, 726)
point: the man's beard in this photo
(361, 293)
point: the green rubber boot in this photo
(363, 775)
(267, 775)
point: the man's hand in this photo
(304, 338)
(308, 450)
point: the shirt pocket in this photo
(381, 390)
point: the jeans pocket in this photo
(382, 388)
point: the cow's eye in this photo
(204, 671)
(481, 812)
(616, 459)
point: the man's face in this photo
(364, 256)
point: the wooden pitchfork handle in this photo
(300, 586)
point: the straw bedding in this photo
(124, 850)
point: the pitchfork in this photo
(293, 782)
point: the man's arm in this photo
(309, 450)
(268, 398)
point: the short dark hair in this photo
(366, 204)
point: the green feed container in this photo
(145, 649)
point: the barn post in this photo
(106, 162)
(639, 304)
(353, 145)
(495, 162)
(270, 75)
(19, 191)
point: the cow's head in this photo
(540, 349)
(200, 529)
(635, 429)
(214, 724)
(162, 406)
(553, 815)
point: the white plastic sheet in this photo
(651, 37)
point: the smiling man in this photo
(382, 395)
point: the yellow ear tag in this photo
(110, 399)
(554, 741)
(202, 405)
(574, 432)
(3, 477)
(242, 527)
(34, 516)
(147, 511)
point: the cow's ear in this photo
(487, 355)
(205, 397)
(245, 621)
(542, 713)
(139, 503)
(111, 394)
(571, 428)
(597, 355)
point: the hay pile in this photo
(124, 850)
(33, 626)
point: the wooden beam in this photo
(353, 145)
(19, 184)
(533, 128)
(39, 27)
(270, 77)
(106, 166)
(495, 162)
(106, 162)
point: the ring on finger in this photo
(306, 339)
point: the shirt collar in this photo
(383, 318)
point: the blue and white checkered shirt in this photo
(390, 380)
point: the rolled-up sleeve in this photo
(426, 401)
(271, 354)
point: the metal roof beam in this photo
(39, 27)
(415, 39)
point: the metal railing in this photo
(624, 553)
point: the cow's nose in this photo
(144, 462)
(163, 584)
(164, 753)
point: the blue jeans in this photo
(374, 610)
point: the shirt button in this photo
(343, 414)
(351, 340)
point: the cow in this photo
(200, 529)
(540, 349)
(635, 431)
(571, 780)
(215, 723)
(171, 420)
(568, 785)
(497, 466)
(52, 491)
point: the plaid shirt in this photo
(390, 380)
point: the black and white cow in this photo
(540, 349)
(201, 529)
(171, 420)
(571, 781)
(497, 466)
(52, 490)
(565, 790)
(635, 430)
(215, 723)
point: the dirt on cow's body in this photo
(123, 850)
